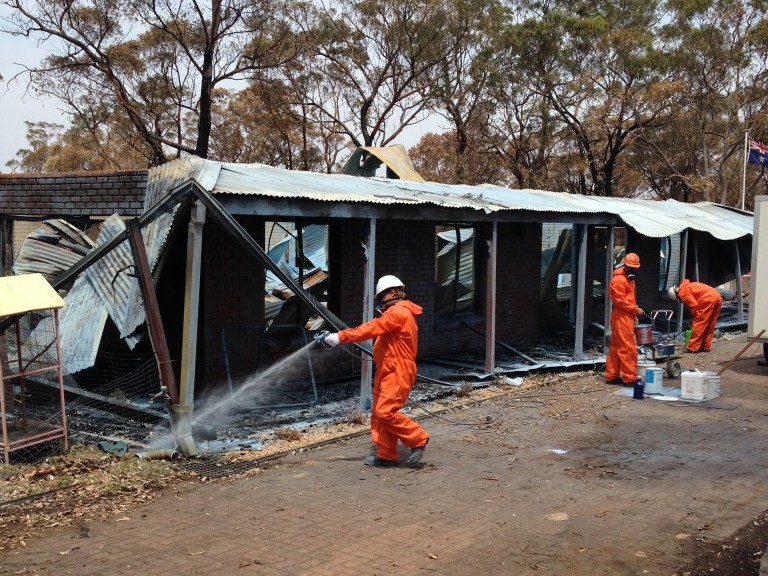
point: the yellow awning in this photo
(25, 293)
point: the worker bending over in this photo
(705, 303)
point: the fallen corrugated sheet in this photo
(367, 159)
(314, 241)
(95, 295)
(112, 278)
(51, 249)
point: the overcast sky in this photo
(15, 106)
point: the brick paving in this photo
(636, 485)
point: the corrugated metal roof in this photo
(656, 219)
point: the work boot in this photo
(374, 460)
(616, 381)
(416, 455)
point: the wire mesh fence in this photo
(32, 414)
(45, 406)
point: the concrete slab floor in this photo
(573, 479)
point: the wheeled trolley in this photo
(661, 346)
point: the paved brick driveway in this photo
(569, 480)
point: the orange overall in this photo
(394, 354)
(705, 303)
(622, 351)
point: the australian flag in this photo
(758, 152)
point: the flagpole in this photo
(744, 168)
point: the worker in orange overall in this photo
(621, 362)
(705, 303)
(394, 354)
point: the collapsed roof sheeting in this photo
(103, 290)
(367, 159)
(109, 288)
(656, 219)
(51, 249)
(313, 240)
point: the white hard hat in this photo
(387, 282)
(672, 293)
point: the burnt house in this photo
(470, 255)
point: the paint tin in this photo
(654, 380)
(693, 385)
(644, 334)
(642, 367)
(713, 385)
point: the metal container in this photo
(643, 334)
(665, 350)
(642, 367)
(654, 380)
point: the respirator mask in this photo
(631, 273)
(382, 306)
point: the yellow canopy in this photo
(25, 293)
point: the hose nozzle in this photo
(320, 337)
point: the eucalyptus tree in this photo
(157, 62)
(594, 63)
(436, 158)
(718, 51)
(260, 124)
(97, 145)
(522, 128)
(367, 77)
(459, 85)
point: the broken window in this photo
(454, 270)
(301, 252)
(557, 256)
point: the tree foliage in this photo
(639, 97)
(158, 63)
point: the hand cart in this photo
(662, 348)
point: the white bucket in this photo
(654, 380)
(641, 367)
(713, 385)
(693, 385)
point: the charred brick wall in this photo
(231, 298)
(518, 281)
(518, 272)
(404, 249)
(647, 282)
(407, 250)
(73, 194)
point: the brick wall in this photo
(73, 194)
(232, 294)
(404, 249)
(518, 272)
(407, 250)
(518, 282)
(647, 282)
